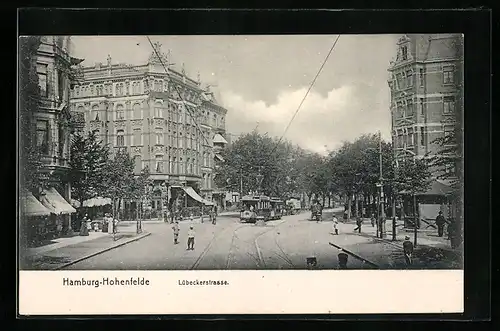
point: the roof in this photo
(219, 139)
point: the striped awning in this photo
(53, 201)
(32, 207)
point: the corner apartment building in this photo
(425, 81)
(164, 119)
(48, 211)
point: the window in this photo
(181, 138)
(137, 137)
(92, 90)
(42, 78)
(158, 86)
(98, 90)
(159, 137)
(174, 139)
(181, 166)
(95, 112)
(120, 138)
(422, 136)
(175, 166)
(409, 108)
(137, 164)
(404, 53)
(422, 106)
(42, 136)
(137, 111)
(421, 77)
(159, 163)
(119, 89)
(120, 113)
(448, 133)
(158, 110)
(77, 91)
(170, 165)
(448, 73)
(409, 78)
(449, 105)
(61, 140)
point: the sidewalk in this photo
(430, 253)
(67, 251)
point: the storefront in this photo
(60, 209)
(34, 220)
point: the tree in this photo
(31, 177)
(88, 160)
(118, 179)
(413, 176)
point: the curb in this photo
(355, 255)
(102, 251)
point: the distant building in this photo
(138, 108)
(424, 80)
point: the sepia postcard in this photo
(241, 174)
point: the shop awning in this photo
(97, 202)
(33, 207)
(53, 201)
(192, 193)
(219, 157)
(219, 139)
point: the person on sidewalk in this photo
(191, 235)
(213, 215)
(83, 227)
(176, 229)
(408, 250)
(440, 222)
(335, 225)
(372, 220)
(359, 222)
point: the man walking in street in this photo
(190, 242)
(408, 250)
(176, 229)
(359, 222)
(440, 222)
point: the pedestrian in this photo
(335, 225)
(83, 227)
(213, 215)
(359, 222)
(408, 250)
(372, 220)
(190, 242)
(440, 222)
(176, 229)
(343, 258)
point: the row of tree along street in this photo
(355, 173)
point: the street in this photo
(280, 244)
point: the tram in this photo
(254, 208)
(277, 208)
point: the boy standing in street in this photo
(176, 232)
(335, 225)
(190, 242)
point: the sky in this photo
(261, 80)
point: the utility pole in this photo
(382, 211)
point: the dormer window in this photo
(404, 53)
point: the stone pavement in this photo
(67, 251)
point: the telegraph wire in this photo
(307, 93)
(178, 92)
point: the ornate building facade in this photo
(164, 119)
(425, 82)
(48, 211)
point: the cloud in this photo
(322, 123)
